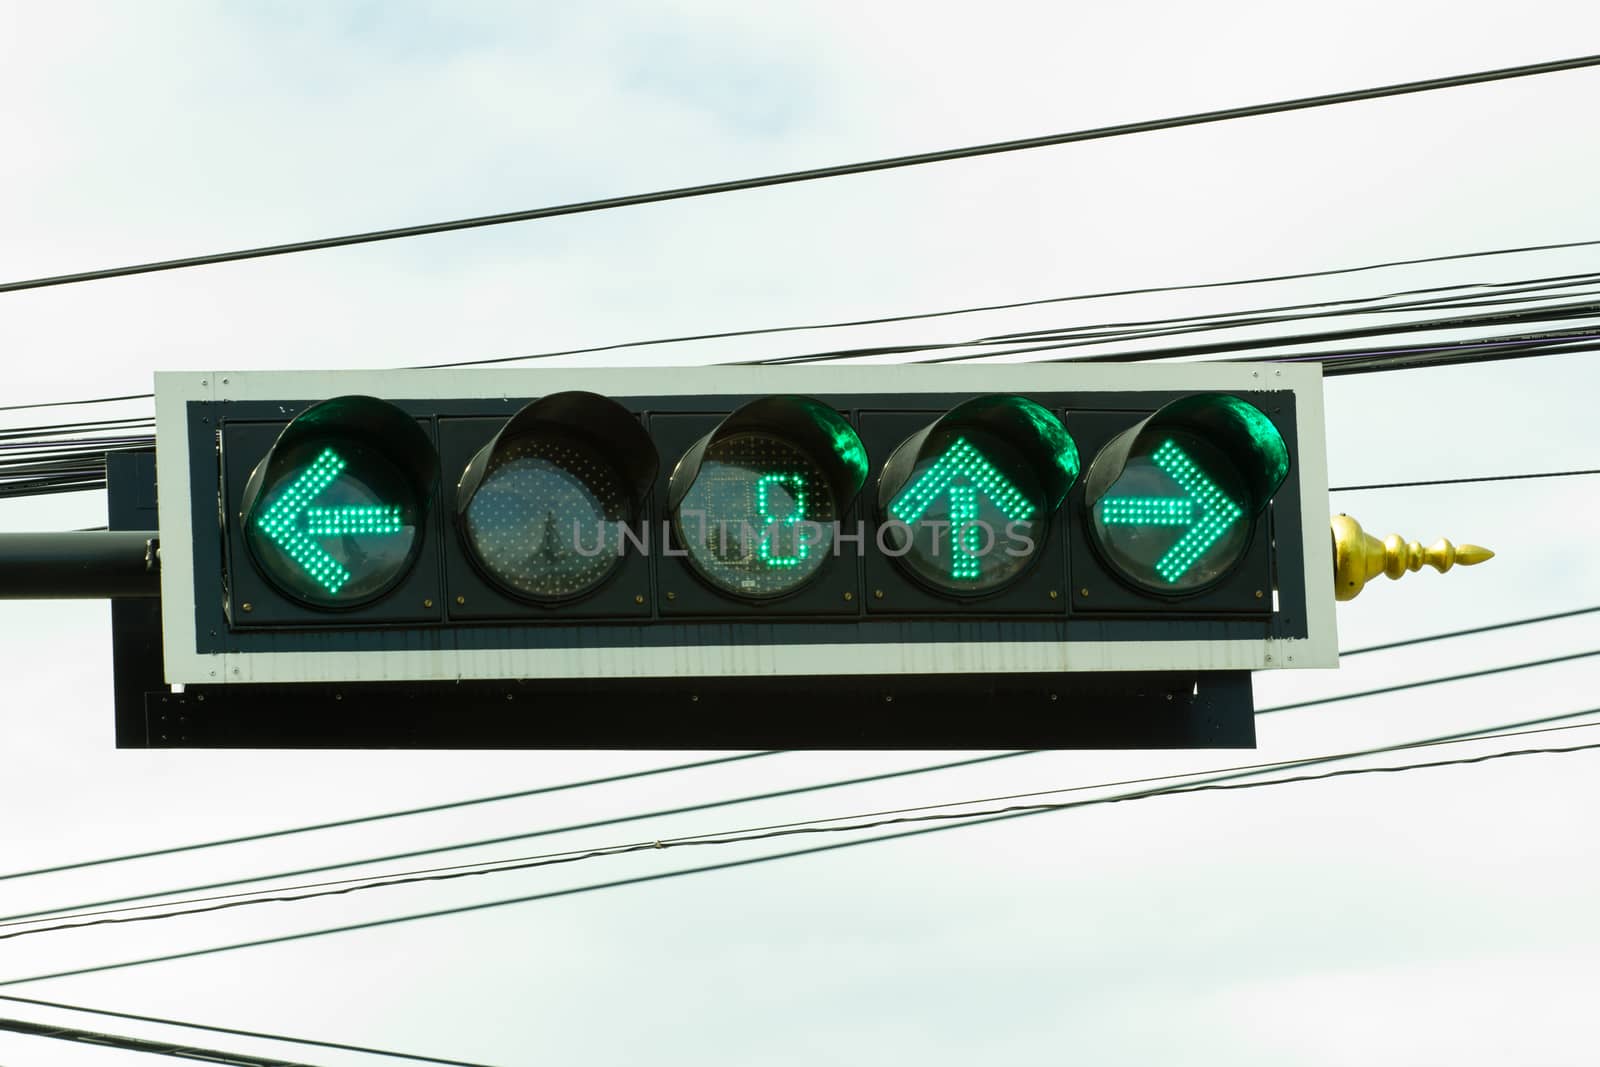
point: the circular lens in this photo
(546, 521)
(759, 519)
(1172, 522)
(336, 524)
(968, 519)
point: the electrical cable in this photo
(817, 173)
(1360, 360)
(1563, 312)
(50, 487)
(1451, 297)
(914, 316)
(55, 429)
(1455, 353)
(69, 466)
(191, 1052)
(46, 446)
(74, 912)
(728, 334)
(1103, 333)
(93, 477)
(1403, 686)
(504, 839)
(1348, 361)
(976, 309)
(20, 451)
(1489, 628)
(115, 399)
(53, 462)
(171, 850)
(134, 1044)
(440, 874)
(234, 1032)
(1464, 481)
(617, 820)
(945, 823)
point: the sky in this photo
(1435, 916)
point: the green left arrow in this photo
(1206, 510)
(283, 525)
(963, 473)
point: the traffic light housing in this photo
(1173, 504)
(334, 517)
(655, 536)
(985, 478)
(542, 507)
(754, 504)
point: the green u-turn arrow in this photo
(292, 523)
(1206, 510)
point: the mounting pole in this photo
(80, 565)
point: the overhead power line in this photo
(1403, 686)
(1343, 361)
(74, 403)
(234, 1032)
(357, 820)
(981, 308)
(1094, 335)
(592, 824)
(913, 316)
(1451, 353)
(817, 173)
(60, 458)
(960, 822)
(641, 816)
(294, 894)
(134, 1044)
(1365, 360)
(1465, 481)
(1456, 295)
(56, 429)
(1469, 631)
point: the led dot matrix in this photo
(769, 517)
(964, 462)
(326, 536)
(1206, 514)
(758, 520)
(333, 522)
(279, 522)
(544, 522)
(981, 504)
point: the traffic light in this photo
(754, 504)
(1172, 507)
(542, 508)
(761, 533)
(967, 500)
(334, 515)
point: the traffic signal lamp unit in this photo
(909, 556)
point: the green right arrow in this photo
(1206, 510)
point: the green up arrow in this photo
(1206, 510)
(282, 521)
(963, 473)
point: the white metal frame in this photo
(184, 665)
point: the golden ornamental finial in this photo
(1359, 556)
